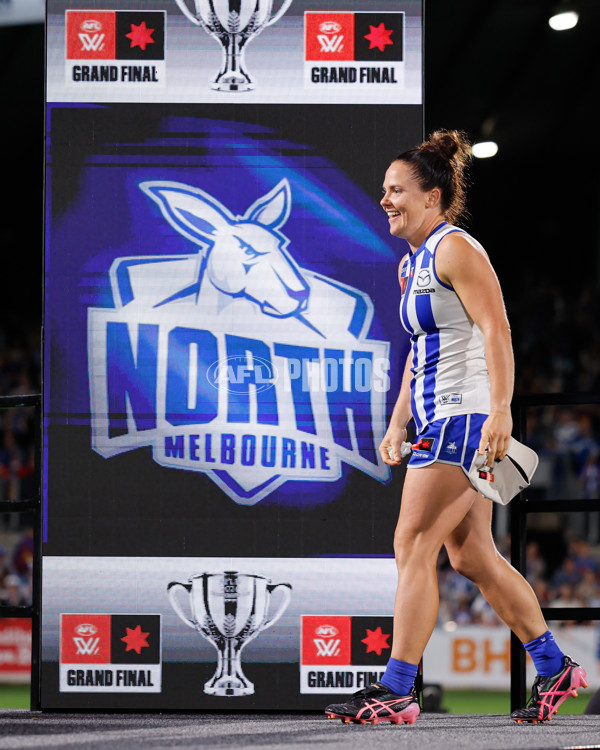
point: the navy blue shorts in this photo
(453, 440)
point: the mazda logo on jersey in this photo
(424, 277)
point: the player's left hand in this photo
(495, 434)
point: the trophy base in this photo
(232, 85)
(227, 689)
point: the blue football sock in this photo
(546, 655)
(399, 676)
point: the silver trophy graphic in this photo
(229, 609)
(233, 23)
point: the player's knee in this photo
(410, 545)
(465, 563)
(480, 562)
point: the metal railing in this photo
(521, 507)
(33, 506)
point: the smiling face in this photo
(412, 212)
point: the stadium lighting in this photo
(484, 149)
(563, 21)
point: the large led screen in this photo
(222, 349)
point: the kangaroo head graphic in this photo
(243, 256)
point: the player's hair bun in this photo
(451, 145)
(441, 161)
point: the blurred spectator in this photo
(565, 596)
(16, 568)
(536, 565)
(14, 593)
(566, 575)
(4, 566)
(22, 560)
(583, 560)
(20, 367)
(589, 478)
(588, 590)
(482, 613)
(542, 591)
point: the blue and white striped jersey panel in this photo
(448, 357)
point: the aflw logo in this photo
(86, 646)
(91, 35)
(327, 648)
(330, 39)
(327, 644)
(85, 642)
(331, 43)
(91, 43)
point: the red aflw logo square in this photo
(85, 639)
(329, 36)
(325, 639)
(90, 35)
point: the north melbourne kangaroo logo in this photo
(232, 360)
(244, 257)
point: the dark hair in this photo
(442, 162)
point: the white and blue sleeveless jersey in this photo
(449, 370)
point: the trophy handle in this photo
(287, 593)
(187, 13)
(171, 589)
(277, 16)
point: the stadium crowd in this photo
(555, 335)
(20, 373)
(573, 582)
(16, 568)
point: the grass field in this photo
(453, 701)
(14, 696)
(498, 702)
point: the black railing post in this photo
(518, 534)
(36, 589)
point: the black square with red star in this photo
(378, 37)
(140, 35)
(135, 639)
(425, 444)
(371, 640)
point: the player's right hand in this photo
(391, 446)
